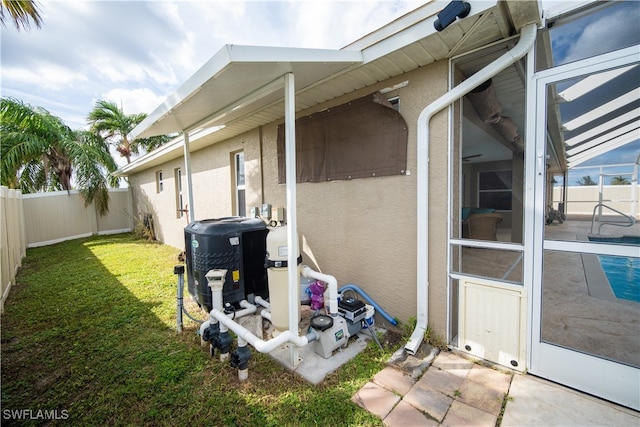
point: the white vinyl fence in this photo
(13, 242)
(32, 220)
(582, 199)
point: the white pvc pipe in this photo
(247, 310)
(266, 314)
(216, 314)
(527, 39)
(262, 302)
(333, 287)
(260, 345)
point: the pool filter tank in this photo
(278, 277)
(235, 244)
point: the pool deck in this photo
(579, 308)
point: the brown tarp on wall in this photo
(363, 138)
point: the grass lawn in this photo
(89, 331)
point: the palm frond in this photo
(20, 11)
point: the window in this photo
(395, 102)
(177, 173)
(494, 190)
(159, 184)
(241, 209)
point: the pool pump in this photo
(333, 332)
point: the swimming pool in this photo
(623, 273)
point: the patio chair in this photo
(483, 226)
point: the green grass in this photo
(89, 329)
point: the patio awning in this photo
(238, 80)
(613, 123)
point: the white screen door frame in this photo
(604, 378)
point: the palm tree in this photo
(112, 124)
(39, 153)
(620, 180)
(586, 180)
(20, 11)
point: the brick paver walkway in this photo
(452, 391)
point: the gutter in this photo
(527, 38)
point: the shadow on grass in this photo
(88, 337)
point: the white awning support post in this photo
(292, 220)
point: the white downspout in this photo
(527, 38)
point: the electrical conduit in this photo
(380, 310)
(527, 39)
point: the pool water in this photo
(623, 273)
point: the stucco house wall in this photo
(361, 231)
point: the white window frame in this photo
(177, 174)
(159, 182)
(495, 190)
(239, 187)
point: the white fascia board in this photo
(244, 53)
(558, 8)
(174, 146)
(409, 29)
(161, 151)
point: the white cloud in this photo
(134, 101)
(601, 32)
(141, 51)
(49, 77)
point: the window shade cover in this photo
(363, 138)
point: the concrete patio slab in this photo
(454, 364)
(313, 367)
(481, 396)
(428, 400)
(535, 402)
(394, 380)
(461, 414)
(406, 415)
(443, 381)
(376, 399)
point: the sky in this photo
(136, 53)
